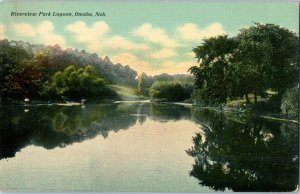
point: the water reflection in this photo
(165, 112)
(245, 154)
(231, 151)
(59, 126)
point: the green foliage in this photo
(170, 91)
(53, 58)
(259, 58)
(289, 103)
(18, 76)
(266, 58)
(146, 81)
(143, 85)
(214, 75)
(76, 83)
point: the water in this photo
(143, 147)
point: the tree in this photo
(214, 77)
(289, 103)
(259, 58)
(141, 89)
(76, 84)
(144, 83)
(266, 58)
(19, 77)
(170, 91)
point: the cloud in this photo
(53, 39)
(164, 66)
(164, 53)
(90, 36)
(86, 34)
(44, 33)
(45, 27)
(97, 37)
(156, 35)
(25, 28)
(192, 32)
(2, 29)
(134, 61)
(190, 55)
(176, 67)
(122, 43)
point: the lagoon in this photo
(143, 147)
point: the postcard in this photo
(149, 96)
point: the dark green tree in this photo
(76, 84)
(19, 77)
(290, 103)
(142, 87)
(259, 58)
(214, 77)
(266, 58)
(170, 91)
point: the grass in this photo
(264, 108)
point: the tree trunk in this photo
(247, 98)
(255, 97)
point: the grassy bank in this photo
(263, 108)
(126, 93)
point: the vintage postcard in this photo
(149, 96)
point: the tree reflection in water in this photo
(245, 154)
(59, 126)
(233, 151)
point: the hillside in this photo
(50, 72)
(58, 58)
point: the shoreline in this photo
(224, 110)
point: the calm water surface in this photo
(143, 147)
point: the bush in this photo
(169, 91)
(76, 84)
(289, 103)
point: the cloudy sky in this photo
(153, 37)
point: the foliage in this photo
(26, 70)
(18, 76)
(54, 58)
(146, 81)
(214, 75)
(170, 91)
(259, 58)
(266, 59)
(76, 83)
(289, 103)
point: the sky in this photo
(150, 36)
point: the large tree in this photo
(261, 57)
(266, 59)
(76, 83)
(214, 77)
(19, 77)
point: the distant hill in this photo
(58, 58)
(120, 74)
